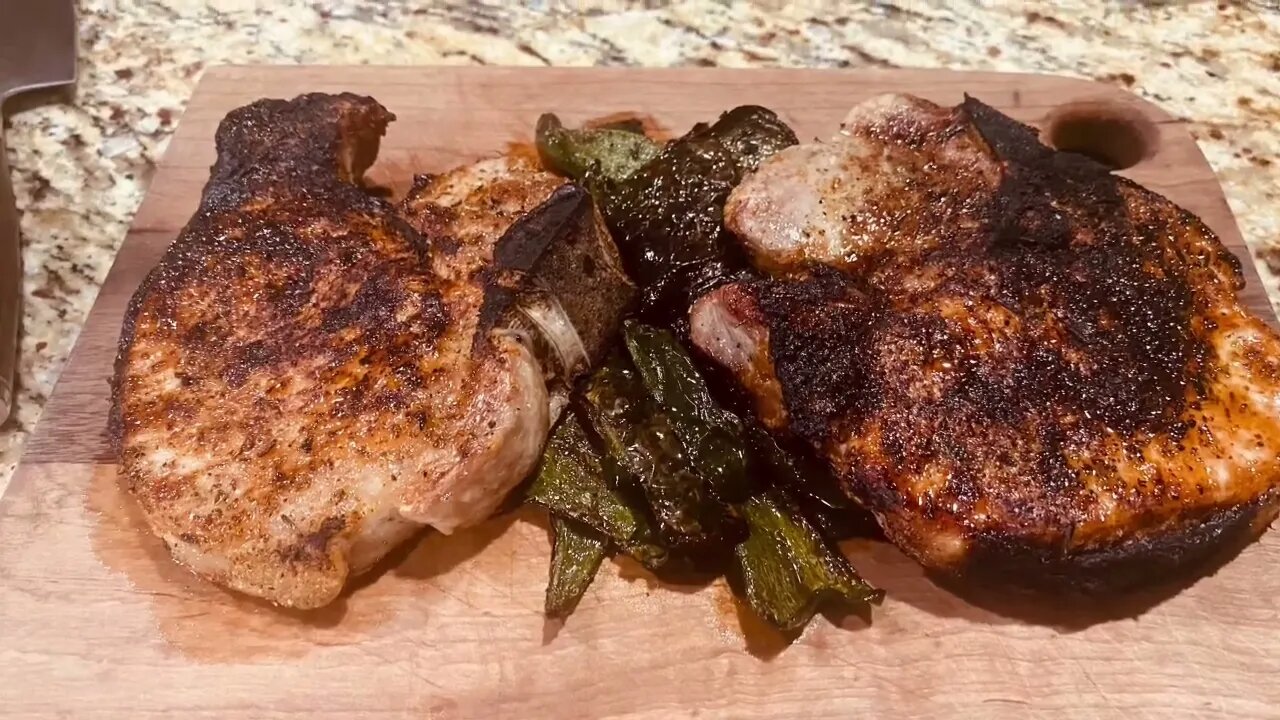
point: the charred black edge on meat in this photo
(1126, 566)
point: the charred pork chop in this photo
(311, 374)
(1012, 357)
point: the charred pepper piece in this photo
(576, 554)
(573, 483)
(578, 483)
(638, 435)
(711, 436)
(810, 484)
(667, 216)
(607, 154)
(788, 571)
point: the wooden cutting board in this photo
(95, 621)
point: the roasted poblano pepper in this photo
(576, 482)
(809, 483)
(788, 571)
(711, 436)
(576, 554)
(677, 473)
(667, 216)
(638, 435)
(606, 154)
(666, 213)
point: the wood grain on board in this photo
(96, 621)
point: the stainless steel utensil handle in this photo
(10, 285)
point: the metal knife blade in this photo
(37, 50)
(37, 44)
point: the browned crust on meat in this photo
(318, 141)
(812, 323)
(997, 399)
(292, 308)
(310, 373)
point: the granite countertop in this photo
(81, 169)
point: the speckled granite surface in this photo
(81, 169)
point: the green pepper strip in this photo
(711, 436)
(576, 555)
(788, 571)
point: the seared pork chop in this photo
(308, 376)
(1012, 357)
